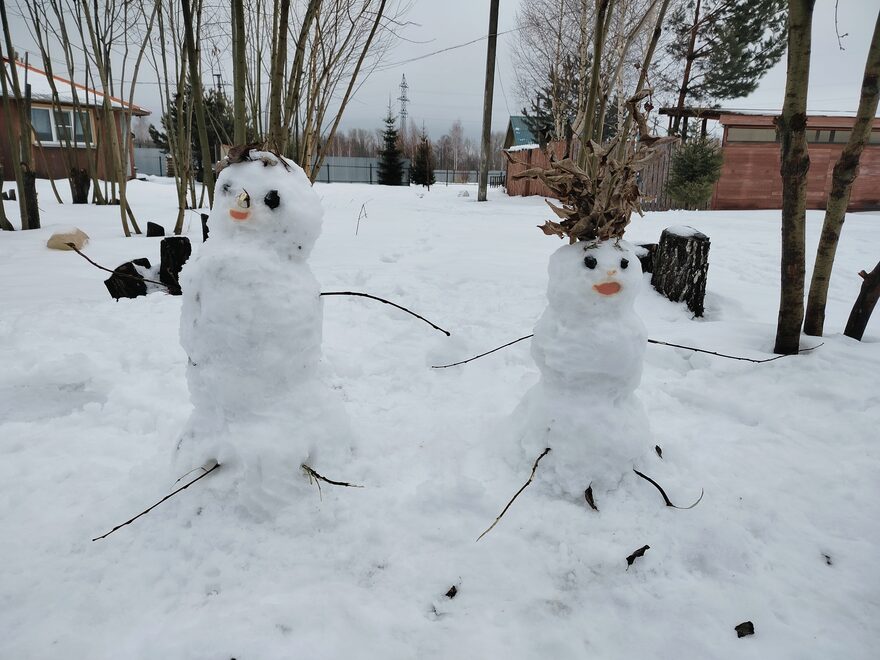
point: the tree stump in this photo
(205, 229)
(681, 264)
(174, 252)
(154, 229)
(126, 281)
(80, 183)
(865, 303)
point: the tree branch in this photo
(531, 476)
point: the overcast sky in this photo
(449, 85)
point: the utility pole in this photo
(487, 101)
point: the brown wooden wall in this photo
(49, 161)
(525, 159)
(750, 177)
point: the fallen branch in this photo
(167, 497)
(131, 277)
(531, 476)
(455, 364)
(319, 478)
(731, 357)
(650, 341)
(387, 302)
(663, 493)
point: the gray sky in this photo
(449, 85)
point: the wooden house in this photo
(63, 131)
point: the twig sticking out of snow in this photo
(531, 476)
(387, 302)
(636, 554)
(455, 364)
(663, 493)
(132, 277)
(167, 497)
(650, 341)
(319, 478)
(362, 214)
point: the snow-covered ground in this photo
(93, 397)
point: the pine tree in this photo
(695, 167)
(390, 171)
(724, 48)
(423, 162)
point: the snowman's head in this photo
(594, 276)
(261, 197)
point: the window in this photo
(742, 134)
(54, 126)
(41, 121)
(841, 137)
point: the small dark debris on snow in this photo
(658, 450)
(828, 560)
(745, 629)
(453, 591)
(155, 229)
(588, 495)
(635, 555)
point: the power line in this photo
(445, 50)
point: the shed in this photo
(519, 135)
(75, 121)
(750, 177)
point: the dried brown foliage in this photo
(597, 202)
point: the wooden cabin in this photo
(65, 130)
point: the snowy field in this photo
(93, 397)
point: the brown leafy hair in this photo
(597, 202)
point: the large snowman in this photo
(251, 324)
(588, 345)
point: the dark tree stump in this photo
(174, 251)
(681, 264)
(126, 281)
(865, 303)
(80, 183)
(10, 196)
(154, 229)
(646, 252)
(205, 229)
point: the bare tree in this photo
(845, 172)
(791, 126)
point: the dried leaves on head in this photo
(242, 154)
(597, 202)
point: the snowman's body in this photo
(588, 345)
(251, 325)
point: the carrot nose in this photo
(612, 272)
(243, 201)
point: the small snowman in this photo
(589, 345)
(251, 324)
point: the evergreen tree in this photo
(390, 165)
(724, 48)
(220, 120)
(695, 167)
(423, 162)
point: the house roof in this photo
(41, 89)
(519, 133)
(734, 116)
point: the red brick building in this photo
(76, 120)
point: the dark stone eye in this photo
(624, 263)
(226, 187)
(590, 262)
(272, 199)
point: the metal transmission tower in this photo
(404, 99)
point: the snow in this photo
(684, 231)
(522, 147)
(93, 398)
